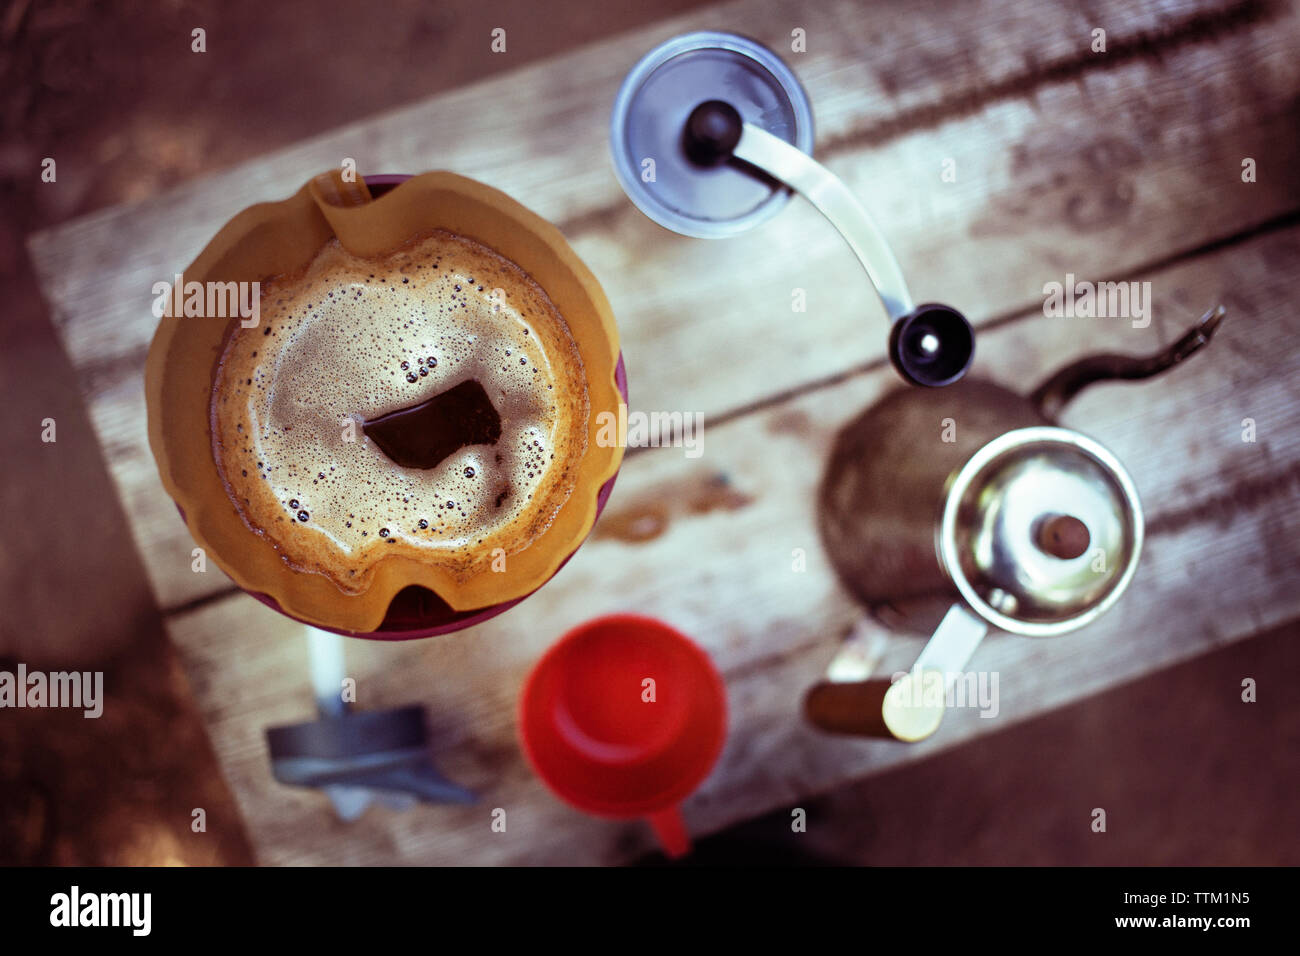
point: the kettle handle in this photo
(909, 707)
(1063, 385)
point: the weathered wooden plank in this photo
(536, 132)
(707, 545)
(1065, 161)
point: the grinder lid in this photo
(1041, 531)
(650, 114)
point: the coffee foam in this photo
(353, 339)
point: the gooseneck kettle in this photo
(972, 508)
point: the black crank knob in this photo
(932, 345)
(711, 133)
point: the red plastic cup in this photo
(593, 734)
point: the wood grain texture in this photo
(1067, 161)
(708, 544)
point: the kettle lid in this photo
(1041, 530)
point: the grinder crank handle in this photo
(930, 344)
(911, 707)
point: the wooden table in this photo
(1122, 165)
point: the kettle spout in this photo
(1062, 386)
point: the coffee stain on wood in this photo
(644, 519)
(636, 524)
(717, 493)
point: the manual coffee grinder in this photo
(730, 131)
